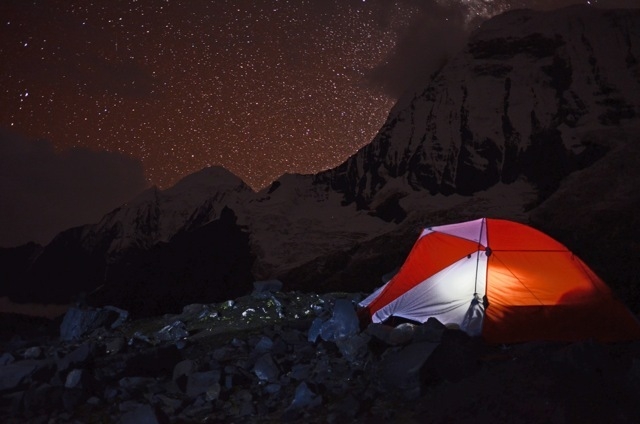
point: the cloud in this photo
(44, 192)
(439, 29)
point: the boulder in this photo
(430, 331)
(394, 336)
(343, 324)
(455, 358)
(401, 369)
(304, 398)
(200, 382)
(77, 379)
(78, 322)
(77, 357)
(6, 358)
(14, 375)
(143, 414)
(34, 352)
(175, 331)
(265, 369)
(183, 369)
(260, 288)
(42, 398)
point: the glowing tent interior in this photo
(504, 281)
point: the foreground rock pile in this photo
(274, 356)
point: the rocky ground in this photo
(285, 356)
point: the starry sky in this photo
(149, 91)
(260, 87)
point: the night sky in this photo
(123, 94)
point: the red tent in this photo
(505, 281)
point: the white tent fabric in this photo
(472, 230)
(366, 301)
(454, 287)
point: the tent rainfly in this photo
(504, 281)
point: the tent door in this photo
(472, 322)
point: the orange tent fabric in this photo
(505, 281)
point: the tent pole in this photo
(475, 283)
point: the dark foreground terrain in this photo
(276, 356)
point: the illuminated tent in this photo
(505, 281)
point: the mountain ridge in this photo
(534, 99)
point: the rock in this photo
(343, 324)
(6, 358)
(243, 400)
(345, 410)
(74, 379)
(264, 345)
(114, 345)
(34, 352)
(265, 287)
(78, 322)
(314, 330)
(223, 354)
(14, 375)
(430, 331)
(249, 312)
(143, 414)
(183, 370)
(300, 371)
(265, 369)
(272, 388)
(402, 334)
(77, 357)
(279, 347)
(303, 398)
(200, 382)
(455, 358)
(401, 369)
(354, 347)
(71, 398)
(293, 337)
(139, 336)
(213, 392)
(42, 398)
(237, 343)
(193, 309)
(153, 362)
(379, 331)
(79, 379)
(122, 316)
(277, 305)
(394, 336)
(168, 404)
(175, 331)
(12, 404)
(45, 370)
(198, 310)
(199, 408)
(110, 393)
(94, 401)
(136, 384)
(228, 381)
(274, 372)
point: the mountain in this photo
(535, 120)
(517, 102)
